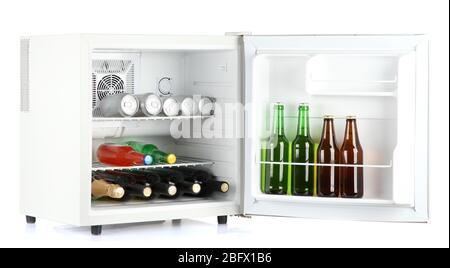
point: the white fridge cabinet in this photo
(382, 79)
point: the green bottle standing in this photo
(303, 152)
(150, 149)
(276, 150)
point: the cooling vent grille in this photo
(110, 85)
(111, 66)
(111, 76)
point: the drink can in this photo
(123, 105)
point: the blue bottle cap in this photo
(148, 160)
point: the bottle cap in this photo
(303, 105)
(279, 106)
(147, 192)
(171, 159)
(172, 190)
(351, 117)
(328, 117)
(148, 160)
(118, 193)
(196, 188)
(224, 187)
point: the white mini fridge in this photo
(381, 79)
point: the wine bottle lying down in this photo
(209, 183)
(177, 178)
(132, 187)
(149, 184)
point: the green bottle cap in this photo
(279, 106)
(304, 105)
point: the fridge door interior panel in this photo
(382, 80)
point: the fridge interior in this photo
(212, 73)
(374, 87)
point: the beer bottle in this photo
(303, 152)
(277, 150)
(328, 154)
(352, 178)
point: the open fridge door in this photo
(382, 80)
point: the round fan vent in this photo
(109, 85)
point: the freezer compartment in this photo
(365, 84)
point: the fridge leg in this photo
(30, 220)
(222, 219)
(96, 230)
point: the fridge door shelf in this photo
(181, 162)
(347, 93)
(328, 165)
(338, 117)
(330, 201)
(358, 73)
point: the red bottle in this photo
(121, 155)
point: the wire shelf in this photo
(181, 162)
(149, 118)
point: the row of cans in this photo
(129, 105)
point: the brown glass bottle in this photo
(328, 154)
(352, 178)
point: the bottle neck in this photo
(278, 121)
(138, 158)
(351, 132)
(328, 131)
(303, 122)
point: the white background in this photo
(22, 17)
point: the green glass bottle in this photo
(276, 150)
(303, 152)
(150, 149)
